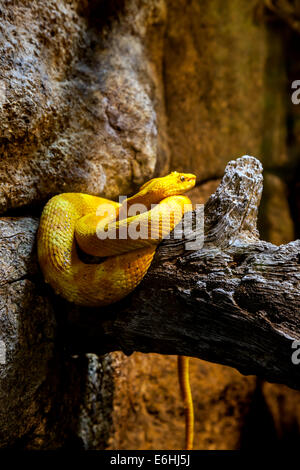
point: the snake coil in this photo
(76, 219)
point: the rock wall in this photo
(98, 97)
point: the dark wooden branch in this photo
(235, 301)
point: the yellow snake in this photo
(95, 225)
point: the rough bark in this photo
(236, 301)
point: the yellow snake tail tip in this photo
(185, 388)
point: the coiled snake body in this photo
(72, 219)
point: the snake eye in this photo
(182, 178)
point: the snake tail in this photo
(185, 388)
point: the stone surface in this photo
(201, 193)
(78, 99)
(148, 411)
(97, 97)
(297, 208)
(26, 329)
(284, 406)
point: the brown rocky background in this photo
(97, 96)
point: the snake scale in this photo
(72, 220)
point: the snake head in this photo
(174, 183)
(182, 181)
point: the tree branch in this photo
(235, 301)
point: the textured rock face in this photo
(38, 382)
(78, 100)
(83, 87)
